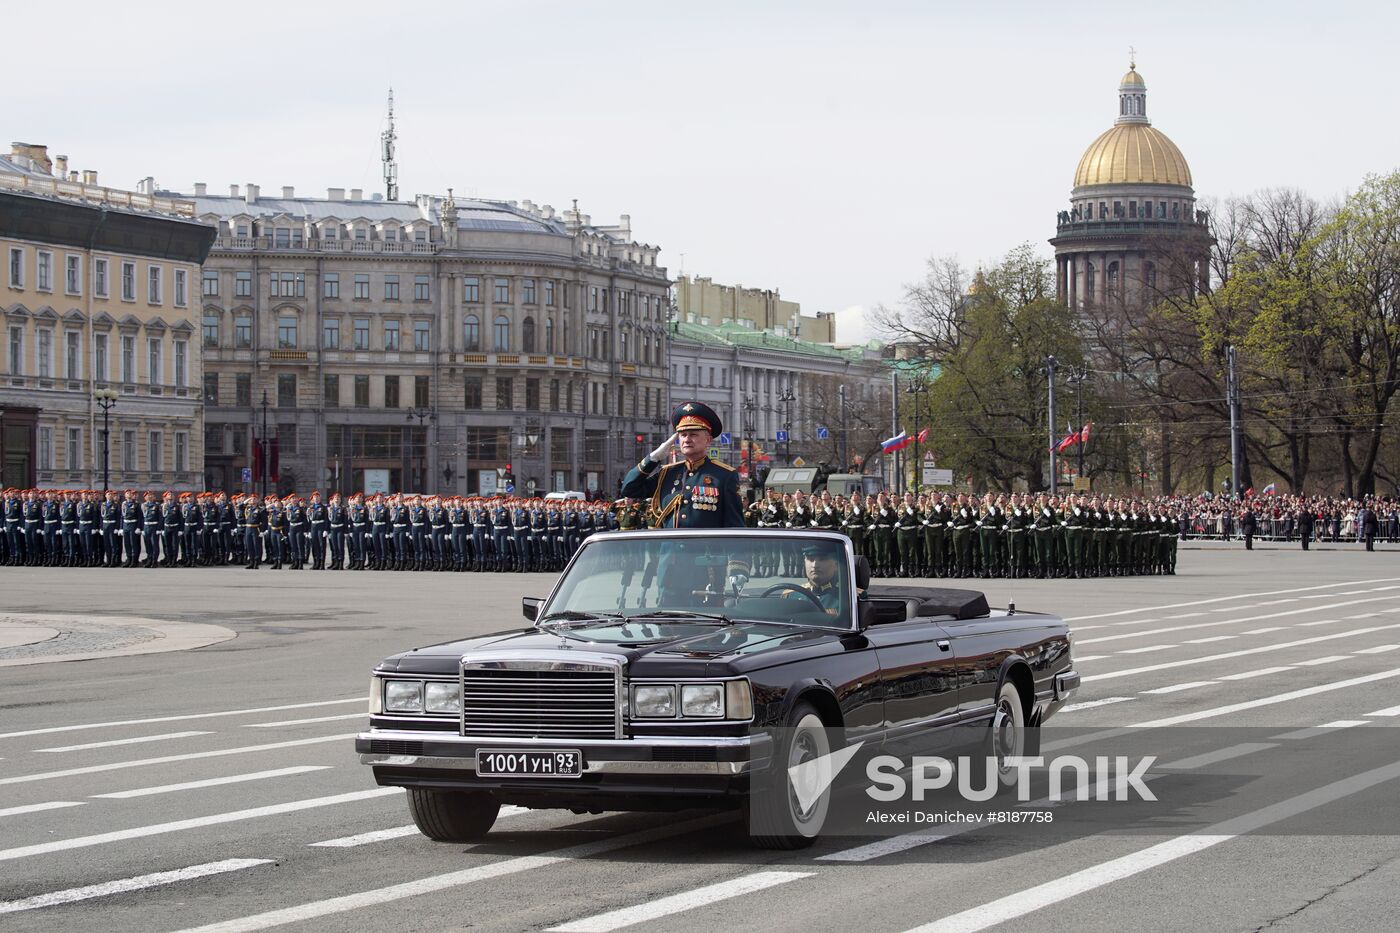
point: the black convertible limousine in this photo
(659, 675)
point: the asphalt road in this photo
(216, 787)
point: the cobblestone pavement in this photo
(75, 636)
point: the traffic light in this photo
(510, 476)
(639, 438)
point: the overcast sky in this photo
(823, 149)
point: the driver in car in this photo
(820, 565)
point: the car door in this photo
(919, 679)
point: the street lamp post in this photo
(263, 446)
(917, 389)
(422, 415)
(106, 398)
(1077, 378)
(787, 398)
(749, 408)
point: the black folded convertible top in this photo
(937, 601)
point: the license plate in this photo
(542, 763)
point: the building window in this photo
(472, 393)
(420, 236)
(44, 280)
(361, 234)
(549, 335)
(421, 290)
(288, 284)
(422, 336)
(72, 274)
(391, 288)
(45, 448)
(74, 460)
(72, 359)
(243, 285)
(153, 371)
(527, 335)
(128, 281)
(243, 331)
(153, 280)
(361, 391)
(182, 451)
(391, 336)
(243, 390)
(528, 288)
(286, 390)
(391, 391)
(45, 353)
(502, 329)
(99, 357)
(286, 333)
(214, 438)
(1149, 275)
(330, 285)
(129, 451)
(391, 234)
(99, 278)
(16, 351)
(332, 390)
(421, 392)
(362, 333)
(361, 285)
(502, 291)
(504, 388)
(182, 354)
(16, 267)
(181, 290)
(209, 330)
(1113, 278)
(211, 388)
(154, 443)
(210, 283)
(554, 395)
(1089, 277)
(549, 293)
(471, 334)
(471, 289)
(330, 231)
(330, 333)
(532, 394)
(128, 358)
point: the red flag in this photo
(257, 461)
(1084, 432)
(923, 435)
(1067, 442)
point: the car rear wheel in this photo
(777, 817)
(452, 815)
(1006, 738)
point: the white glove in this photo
(737, 581)
(656, 455)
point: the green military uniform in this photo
(881, 532)
(935, 529)
(907, 523)
(1018, 522)
(1044, 523)
(964, 528)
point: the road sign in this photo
(936, 477)
(247, 474)
(928, 458)
(1082, 484)
(725, 439)
(822, 433)
(782, 437)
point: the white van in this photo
(565, 495)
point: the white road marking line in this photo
(302, 722)
(1243, 652)
(398, 832)
(1266, 630)
(1269, 700)
(217, 819)
(1190, 615)
(211, 782)
(1177, 688)
(676, 903)
(1219, 755)
(1089, 657)
(1388, 711)
(141, 722)
(1378, 649)
(140, 882)
(1318, 622)
(1090, 704)
(61, 805)
(1314, 662)
(1096, 876)
(1313, 731)
(167, 759)
(1245, 675)
(893, 844)
(115, 742)
(1147, 649)
(510, 866)
(1220, 599)
(1256, 618)
(1206, 641)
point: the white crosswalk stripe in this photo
(676, 903)
(113, 743)
(213, 782)
(141, 882)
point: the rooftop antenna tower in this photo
(391, 168)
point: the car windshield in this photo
(707, 580)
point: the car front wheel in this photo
(452, 815)
(1007, 737)
(778, 817)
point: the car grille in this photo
(540, 699)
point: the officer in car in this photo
(821, 567)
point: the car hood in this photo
(671, 640)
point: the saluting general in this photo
(695, 491)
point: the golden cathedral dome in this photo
(1132, 79)
(1132, 153)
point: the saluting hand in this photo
(660, 452)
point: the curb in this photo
(22, 629)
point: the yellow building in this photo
(99, 294)
(700, 301)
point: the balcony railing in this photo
(97, 194)
(261, 243)
(1123, 227)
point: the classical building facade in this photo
(781, 383)
(425, 345)
(1132, 232)
(100, 294)
(699, 300)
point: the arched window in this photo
(527, 335)
(1113, 278)
(625, 355)
(1089, 281)
(471, 334)
(502, 328)
(549, 335)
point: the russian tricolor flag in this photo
(898, 442)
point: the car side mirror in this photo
(530, 606)
(862, 573)
(866, 609)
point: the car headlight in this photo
(376, 696)
(738, 699)
(442, 698)
(654, 701)
(704, 701)
(403, 696)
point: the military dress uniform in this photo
(700, 495)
